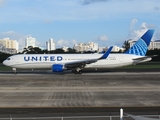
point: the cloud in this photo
(12, 35)
(74, 42)
(1, 2)
(48, 21)
(87, 2)
(157, 35)
(157, 8)
(68, 43)
(132, 25)
(136, 34)
(53, 10)
(102, 38)
(62, 42)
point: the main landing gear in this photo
(77, 71)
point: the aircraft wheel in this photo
(80, 72)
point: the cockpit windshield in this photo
(8, 58)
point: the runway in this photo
(45, 94)
(87, 90)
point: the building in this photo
(9, 46)
(100, 49)
(30, 42)
(93, 46)
(117, 49)
(81, 47)
(2, 48)
(153, 44)
(7, 50)
(114, 49)
(50, 45)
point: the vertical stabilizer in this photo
(141, 46)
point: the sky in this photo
(106, 22)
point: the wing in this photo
(82, 63)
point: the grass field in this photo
(147, 65)
(4, 68)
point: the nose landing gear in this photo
(14, 70)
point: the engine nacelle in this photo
(57, 68)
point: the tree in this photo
(37, 50)
(154, 52)
(126, 45)
(3, 56)
(32, 50)
(27, 50)
(70, 50)
(59, 50)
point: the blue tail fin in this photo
(141, 46)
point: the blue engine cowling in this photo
(57, 68)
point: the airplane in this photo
(77, 62)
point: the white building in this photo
(114, 49)
(154, 45)
(91, 46)
(30, 42)
(11, 46)
(2, 48)
(117, 49)
(17, 45)
(50, 45)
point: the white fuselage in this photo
(32, 61)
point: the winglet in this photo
(105, 55)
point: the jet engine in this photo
(57, 68)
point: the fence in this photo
(77, 118)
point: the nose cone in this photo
(5, 62)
